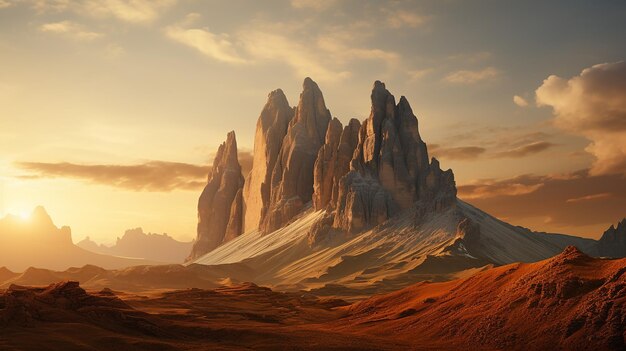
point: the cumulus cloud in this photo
(71, 30)
(473, 77)
(525, 150)
(592, 104)
(520, 101)
(569, 200)
(456, 153)
(150, 176)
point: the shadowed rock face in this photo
(271, 128)
(292, 176)
(613, 241)
(219, 206)
(389, 171)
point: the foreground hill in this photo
(570, 302)
(137, 244)
(37, 242)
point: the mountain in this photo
(37, 242)
(568, 302)
(137, 244)
(362, 208)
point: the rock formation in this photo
(613, 241)
(271, 128)
(389, 171)
(292, 176)
(218, 199)
(333, 161)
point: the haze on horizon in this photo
(110, 111)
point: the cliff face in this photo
(613, 241)
(219, 204)
(271, 129)
(292, 176)
(389, 170)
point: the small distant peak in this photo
(41, 216)
(230, 137)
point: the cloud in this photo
(404, 18)
(473, 77)
(592, 104)
(520, 101)
(70, 30)
(131, 11)
(4, 4)
(215, 46)
(558, 201)
(457, 153)
(419, 73)
(525, 150)
(590, 197)
(317, 5)
(154, 176)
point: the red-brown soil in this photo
(569, 302)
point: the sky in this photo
(111, 110)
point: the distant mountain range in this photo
(37, 242)
(137, 244)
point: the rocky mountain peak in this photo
(612, 243)
(389, 170)
(292, 176)
(271, 129)
(218, 199)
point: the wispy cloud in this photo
(154, 176)
(473, 77)
(131, 11)
(457, 153)
(525, 150)
(566, 200)
(403, 18)
(71, 30)
(215, 46)
(317, 5)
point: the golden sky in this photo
(110, 110)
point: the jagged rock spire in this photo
(271, 128)
(218, 199)
(389, 170)
(292, 176)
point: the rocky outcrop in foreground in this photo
(220, 204)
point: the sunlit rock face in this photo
(219, 206)
(389, 170)
(271, 129)
(292, 176)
